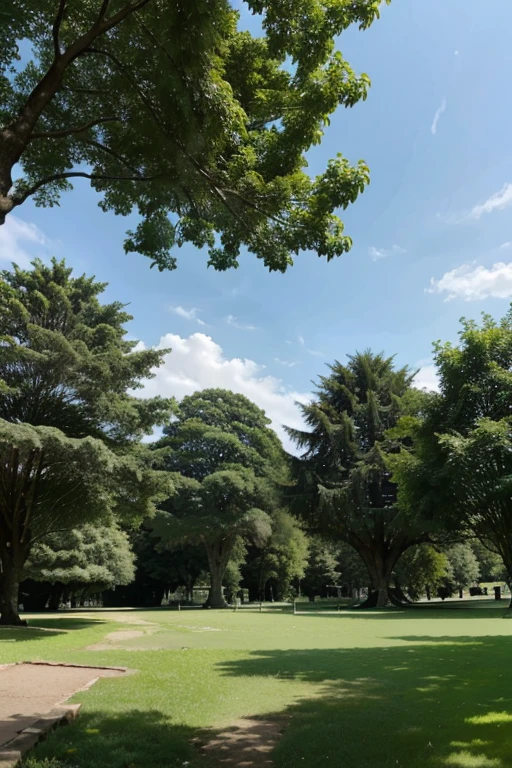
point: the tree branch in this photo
(56, 28)
(61, 134)
(113, 154)
(78, 175)
(103, 10)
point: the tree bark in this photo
(9, 592)
(218, 557)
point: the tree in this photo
(47, 482)
(353, 573)
(170, 109)
(226, 463)
(463, 569)
(87, 559)
(322, 569)
(459, 469)
(281, 561)
(421, 569)
(344, 481)
(64, 360)
(66, 370)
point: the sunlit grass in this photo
(360, 690)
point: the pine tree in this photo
(343, 476)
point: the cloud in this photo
(197, 362)
(427, 377)
(382, 253)
(21, 241)
(188, 314)
(232, 320)
(508, 244)
(497, 202)
(456, 53)
(471, 282)
(314, 352)
(437, 117)
(287, 363)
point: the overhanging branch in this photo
(56, 28)
(78, 175)
(63, 132)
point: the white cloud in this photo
(508, 244)
(456, 53)
(471, 282)
(197, 362)
(497, 202)
(232, 320)
(427, 377)
(21, 241)
(437, 117)
(188, 314)
(314, 352)
(383, 253)
(287, 363)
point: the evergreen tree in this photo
(344, 481)
(322, 569)
(69, 430)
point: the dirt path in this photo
(247, 743)
(29, 691)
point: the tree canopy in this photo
(69, 430)
(343, 478)
(226, 464)
(64, 359)
(459, 468)
(173, 110)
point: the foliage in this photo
(460, 466)
(281, 561)
(173, 110)
(69, 430)
(489, 562)
(322, 568)
(353, 573)
(463, 569)
(343, 473)
(64, 359)
(226, 463)
(89, 556)
(422, 568)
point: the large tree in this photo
(66, 370)
(343, 479)
(226, 464)
(459, 469)
(171, 109)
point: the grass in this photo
(429, 686)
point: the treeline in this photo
(395, 491)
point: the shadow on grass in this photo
(433, 704)
(476, 609)
(22, 634)
(63, 623)
(132, 739)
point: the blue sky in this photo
(432, 234)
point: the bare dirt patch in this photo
(114, 640)
(30, 691)
(247, 743)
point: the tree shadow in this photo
(131, 739)
(22, 634)
(426, 703)
(64, 623)
(466, 609)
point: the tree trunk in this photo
(9, 592)
(55, 597)
(427, 592)
(218, 557)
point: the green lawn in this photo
(427, 687)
